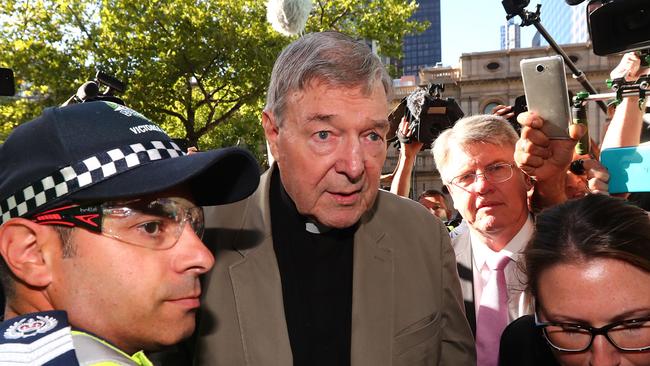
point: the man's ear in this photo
(453, 202)
(271, 131)
(528, 181)
(21, 246)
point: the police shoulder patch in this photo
(37, 339)
(30, 326)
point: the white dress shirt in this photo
(515, 279)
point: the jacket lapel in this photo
(463, 250)
(258, 292)
(372, 304)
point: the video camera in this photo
(90, 90)
(7, 84)
(618, 26)
(427, 113)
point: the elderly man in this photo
(318, 268)
(476, 162)
(101, 236)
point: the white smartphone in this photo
(546, 93)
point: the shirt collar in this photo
(514, 248)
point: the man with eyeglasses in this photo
(475, 159)
(101, 235)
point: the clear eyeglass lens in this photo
(631, 335)
(496, 173)
(627, 336)
(156, 224)
(568, 338)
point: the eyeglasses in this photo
(495, 173)
(155, 224)
(626, 335)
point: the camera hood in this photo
(619, 26)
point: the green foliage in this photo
(197, 67)
(385, 21)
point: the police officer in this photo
(100, 235)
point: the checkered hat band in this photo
(89, 171)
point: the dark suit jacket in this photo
(406, 302)
(518, 300)
(522, 344)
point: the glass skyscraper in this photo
(566, 24)
(510, 35)
(423, 50)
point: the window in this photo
(489, 107)
(493, 66)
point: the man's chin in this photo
(487, 224)
(339, 220)
(171, 338)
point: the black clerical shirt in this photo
(316, 274)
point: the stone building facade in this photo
(485, 79)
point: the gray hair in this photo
(482, 128)
(332, 57)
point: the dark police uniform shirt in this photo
(46, 338)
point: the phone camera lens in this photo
(540, 68)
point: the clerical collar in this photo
(289, 207)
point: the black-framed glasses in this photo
(495, 173)
(155, 224)
(629, 335)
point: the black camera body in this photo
(513, 7)
(90, 90)
(519, 107)
(618, 26)
(427, 113)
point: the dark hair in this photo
(431, 193)
(595, 226)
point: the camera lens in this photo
(539, 68)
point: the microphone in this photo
(288, 16)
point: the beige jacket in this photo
(407, 307)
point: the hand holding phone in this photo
(546, 93)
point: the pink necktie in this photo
(492, 315)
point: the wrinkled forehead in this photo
(316, 82)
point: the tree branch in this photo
(210, 125)
(83, 28)
(171, 113)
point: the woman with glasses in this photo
(588, 268)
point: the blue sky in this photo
(473, 26)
